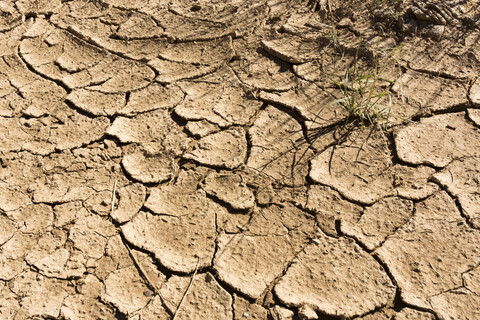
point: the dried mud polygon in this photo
(191, 159)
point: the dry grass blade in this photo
(188, 289)
(139, 267)
(360, 97)
(113, 197)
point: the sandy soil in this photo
(182, 159)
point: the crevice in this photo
(436, 74)
(182, 122)
(227, 287)
(248, 138)
(83, 112)
(456, 202)
(470, 121)
(431, 113)
(99, 47)
(43, 76)
(119, 315)
(161, 268)
(195, 8)
(227, 205)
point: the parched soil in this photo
(190, 159)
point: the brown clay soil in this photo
(183, 159)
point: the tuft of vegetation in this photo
(362, 97)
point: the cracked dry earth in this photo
(181, 159)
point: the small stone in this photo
(345, 23)
(307, 313)
(280, 313)
(474, 115)
(435, 32)
(474, 94)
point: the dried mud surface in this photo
(183, 159)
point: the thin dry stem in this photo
(113, 197)
(186, 291)
(130, 252)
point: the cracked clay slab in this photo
(230, 188)
(330, 207)
(461, 303)
(146, 99)
(260, 70)
(437, 140)
(431, 93)
(461, 178)
(251, 260)
(294, 49)
(378, 221)
(310, 101)
(125, 289)
(206, 298)
(146, 168)
(474, 93)
(131, 199)
(453, 249)
(474, 116)
(180, 229)
(218, 98)
(224, 149)
(52, 51)
(359, 169)
(456, 61)
(278, 147)
(155, 131)
(335, 277)
(32, 288)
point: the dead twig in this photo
(139, 267)
(141, 270)
(113, 197)
(186, 291)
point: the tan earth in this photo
(190, 159)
